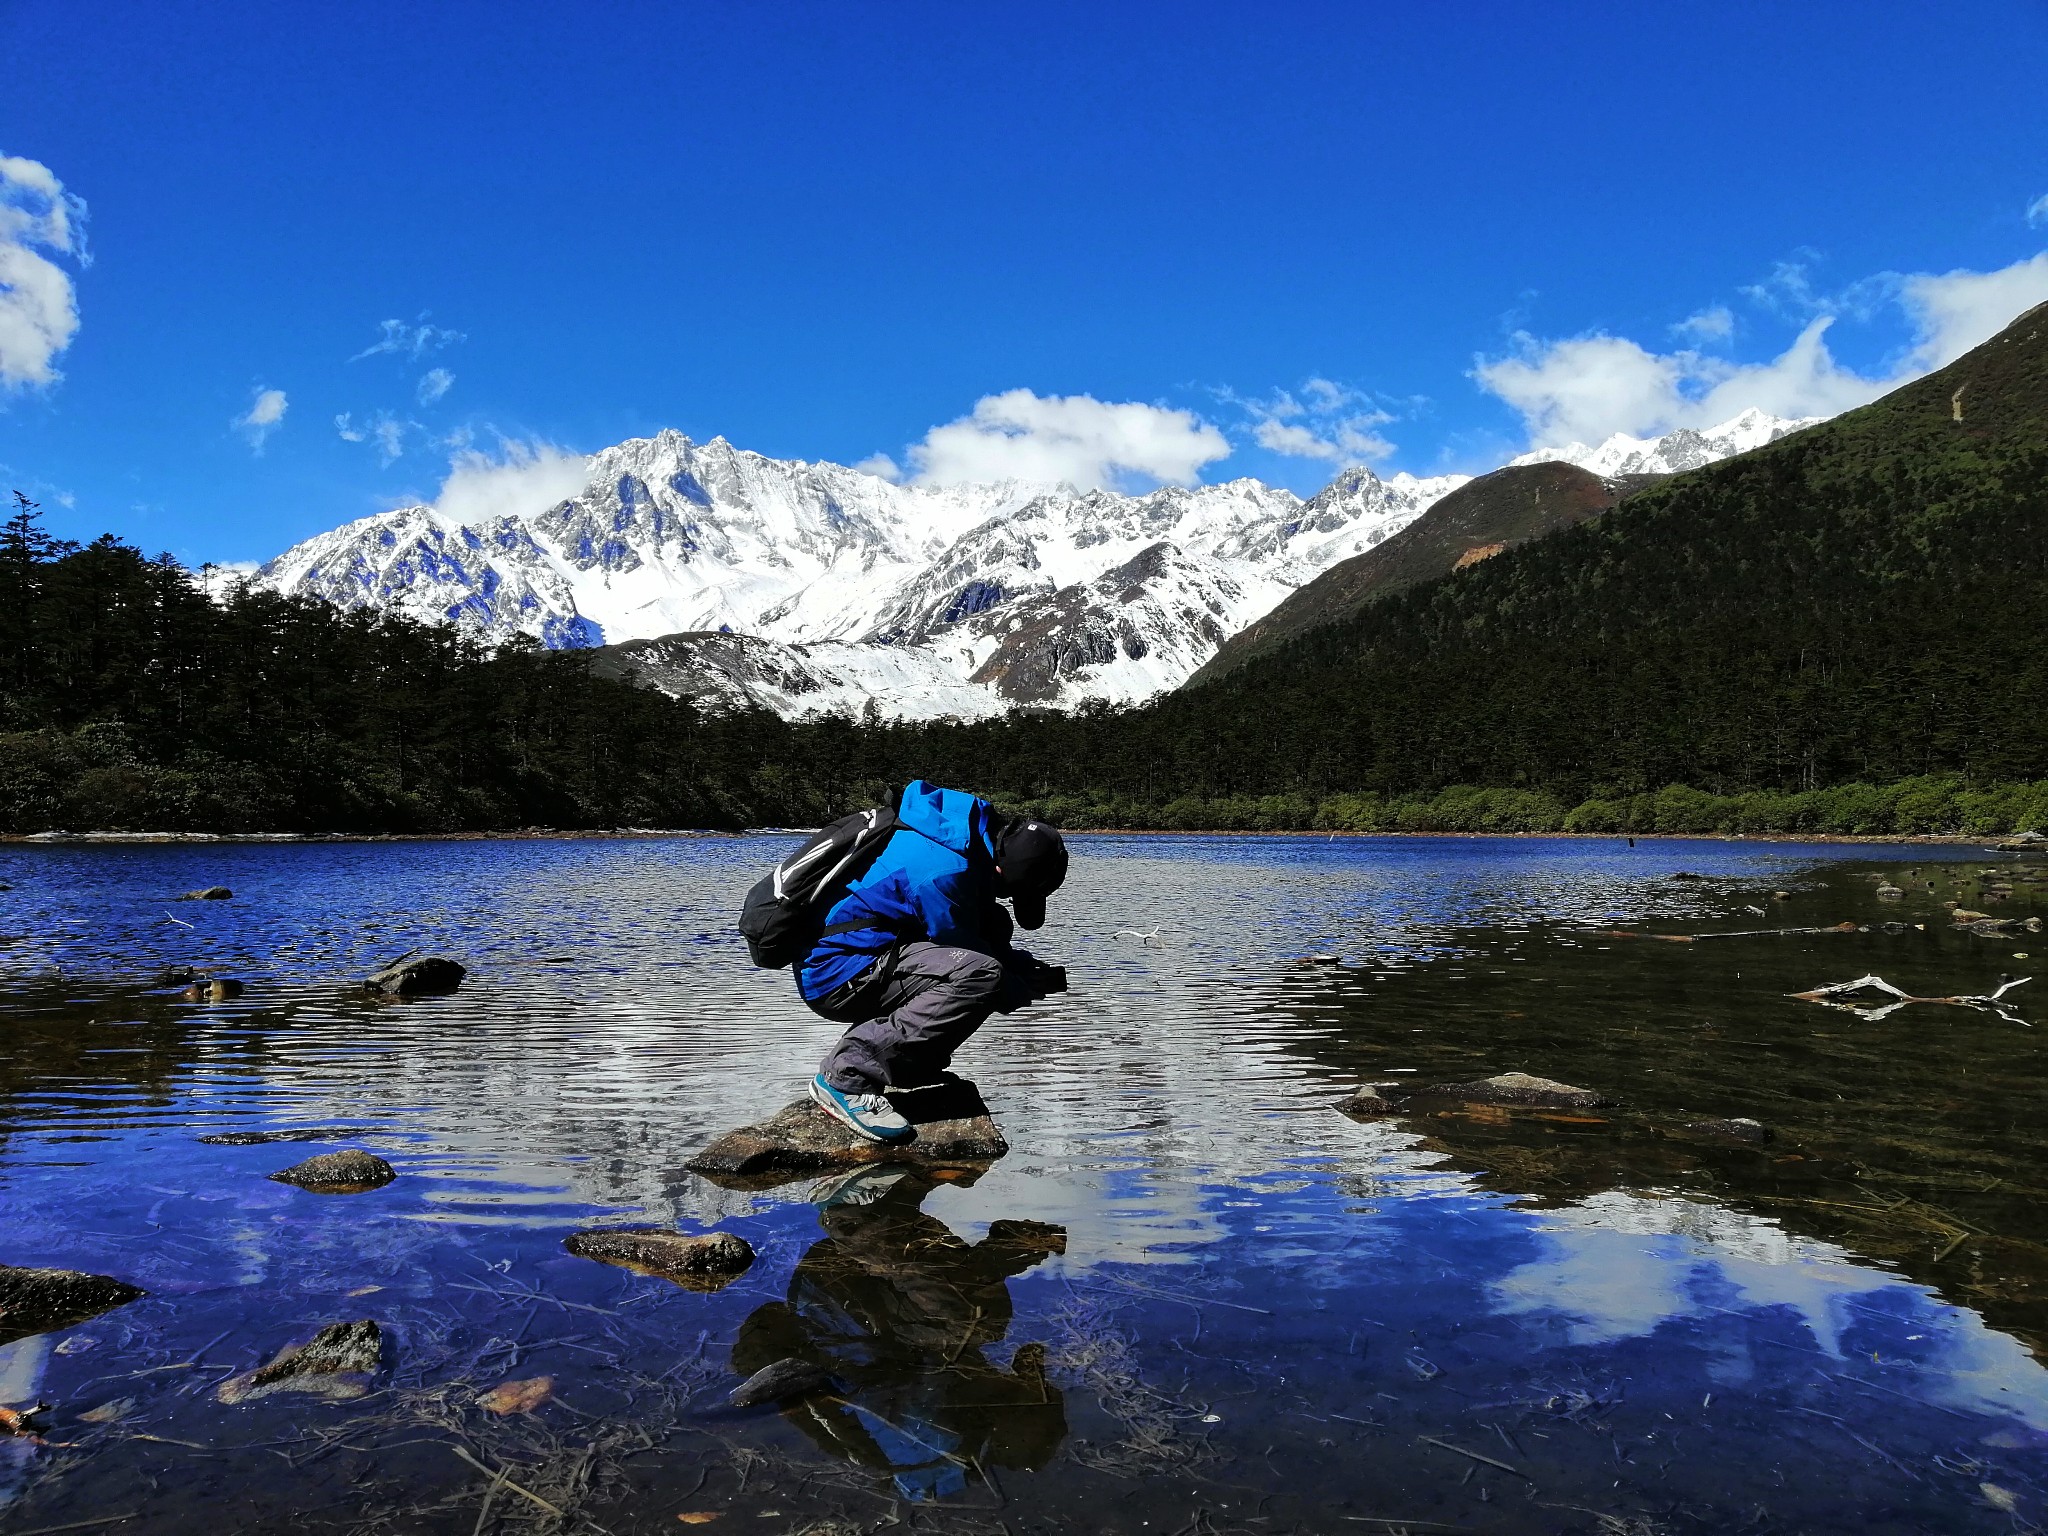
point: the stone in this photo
(706, 1262)
(177, 976)
(1374, 1099)
(1965, 915)
(778, 1383)
(1520, 1088)
(416, 977)
(348, 1172)
(952, 1127)
(1889, 893)
(220, 990)
(336, 1363)
(1737, 1128)
(1781, 895)
(40, 1300)
(265, 1138)
(207, 893)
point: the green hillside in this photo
(1865, 601)
(1475, 522)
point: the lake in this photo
(1193, 1299)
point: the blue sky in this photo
(323, 251)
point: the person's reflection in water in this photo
(898, 1309)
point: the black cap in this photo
(1033, 859)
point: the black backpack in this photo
(784, 912)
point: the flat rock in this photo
(416, 977)
(336, 1363)
(207, 893)
(1737, 1128)
(951, 1122)
(39, 1300)
(705, 1262)
(1523, 1089)
(348, 1172)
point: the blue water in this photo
(1194, 1298)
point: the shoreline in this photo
(648, 834)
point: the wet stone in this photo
(336, 1363)
(1737, 1128)
(1520, 1088)
(348, 1172)
(177, 976)
(220, 990)
(1374, 1099)
(951, 1123)
(207, 893)
(698, 1263)
(39, 1300)
(416, 977)
(781, 1381)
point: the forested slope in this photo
(1864, 601)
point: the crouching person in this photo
(916, 954)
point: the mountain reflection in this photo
(900, 1311)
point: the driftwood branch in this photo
(1831, 997)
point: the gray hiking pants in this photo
(936, 997)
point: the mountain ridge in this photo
(984, 597)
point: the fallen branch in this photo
(1985, 1003)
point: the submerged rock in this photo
(778, 1383)
(1889, 893)
(698, 1263)
(207, 893)
(415, 977)
(1373, 1099)
(39, 1300)
(1737, 1128)
(265, 1138)
(1522, 1089)
(348, 1172)
(336, 1363)
(178, 976)
(951, 1122)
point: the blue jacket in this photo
(933, 880)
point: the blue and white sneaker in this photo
(865, 1114)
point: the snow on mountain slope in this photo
(1675, 452)
(847, 588)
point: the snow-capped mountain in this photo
(1675, 452)
(809, 587)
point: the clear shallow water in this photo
(1266, 1317)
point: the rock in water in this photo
(952, 1126)
(264, 1138)
(208, 893)
(339, 1173)
(1373, 1099)
(413, 978)
(38, 1300)
(1739, 1128)
(1522, 1089)
(705, 1263)
(336, 1363)
(780, 1382)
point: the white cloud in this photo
(1327, 421)
(1955, 311)
(38, 307)
(387, 431)
(1076, 438)
(414, 341)
(265, 414)
(1586, 388)
(522, 478)
(881, 466)
(2037, 210)
(1713, 324)
(435, 383)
